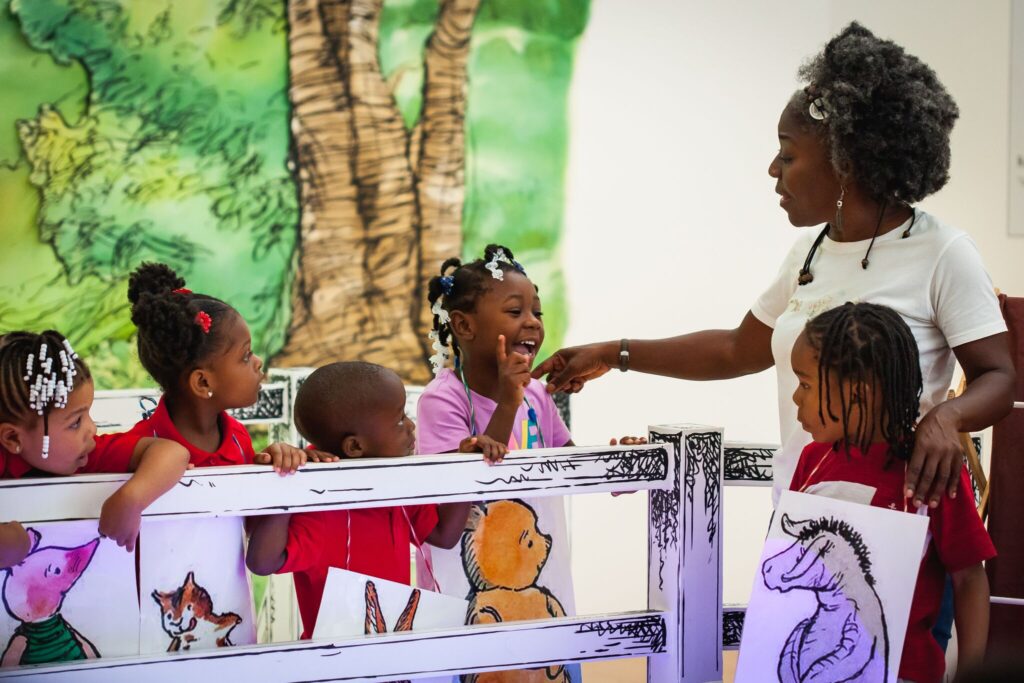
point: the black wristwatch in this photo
(624, 355)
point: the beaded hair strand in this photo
(37, 375)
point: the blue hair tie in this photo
(447, 284)
(518, 266)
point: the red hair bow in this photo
(181, 290)
(204, 321)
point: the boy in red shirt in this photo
(355, 410)
(861, 360)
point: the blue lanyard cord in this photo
(531, 414)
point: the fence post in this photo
(685, 556)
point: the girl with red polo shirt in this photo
(46, 392)
(858, 396)
(199, 350)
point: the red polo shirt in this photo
(379, 547)
(112, 454)
(957, 538)
(235, 445)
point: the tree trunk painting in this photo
(380, 206)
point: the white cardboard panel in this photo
(388, 657)
(365, 483)
(352, 603)
(193, 587)
(100, 605)
(868, 557)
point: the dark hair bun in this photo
(493, 249)
(153, 278)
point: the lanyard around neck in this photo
(531, 414)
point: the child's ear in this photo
(200, 383)
(10, 437)
(352, 447)
(462, 325)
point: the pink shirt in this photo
(443, 417)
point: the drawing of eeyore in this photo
(846, 638)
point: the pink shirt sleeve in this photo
(442, 419)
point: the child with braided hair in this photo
(487, 316)
(46, 392)
(858, 396)
(199, 350)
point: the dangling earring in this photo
(839, 209)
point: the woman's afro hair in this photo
(888, 118)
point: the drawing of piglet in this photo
(33, 593)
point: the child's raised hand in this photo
(513, 375)
(493, 451)
(120, 518)
(284, 458)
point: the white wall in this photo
(673, 224)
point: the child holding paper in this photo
(858, 396)
(355, 410)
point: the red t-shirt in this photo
(112, 454)
(958, 538)
(235, 445)
(379, 547)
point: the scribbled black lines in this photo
(665, 509)
(649, 632)
(514, 479)
(636, 465)
(704, 450)
(748, 463)
(269, 406)
(732, 627)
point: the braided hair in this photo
(871, 348)
(37, 375)
(178, 328)
(457, 288)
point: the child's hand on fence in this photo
(493, 451)
(284, 458)
(320, 456)
(627, 441)
(513, 375)
(120, 518)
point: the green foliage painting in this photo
(309, 162)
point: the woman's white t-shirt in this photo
(934, 278)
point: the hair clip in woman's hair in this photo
(204, 321)
(181, 290)
(447, 284)
(442, 315)
(817, 109)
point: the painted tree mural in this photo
(310, 162)
(381, 206)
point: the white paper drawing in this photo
(513, 564)
(833, 594)
(73, 597)
(194, 590)
(356, 604)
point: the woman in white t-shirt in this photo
(867, 138)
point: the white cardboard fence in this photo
(682, 469)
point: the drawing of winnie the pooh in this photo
(503, 553)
